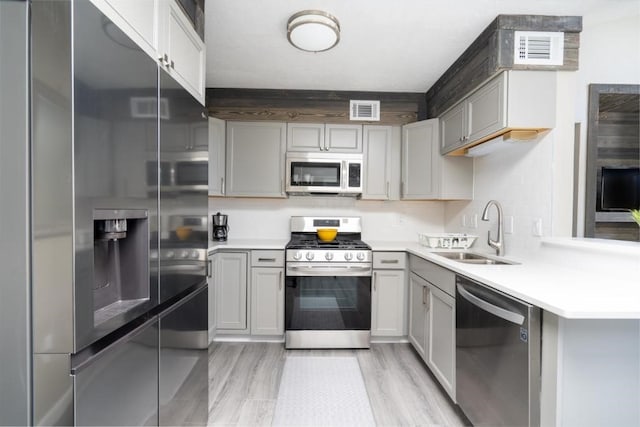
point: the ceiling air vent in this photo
(364, 110)
(538, 48)
(146, 107)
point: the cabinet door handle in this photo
(428, 298)
(222, 185)
(266, 260)
(209, 268)
(280, 280)
(389, 261)
(375, 276)
(424, 289)
(402, 188)
(388, 185)
(173, 65)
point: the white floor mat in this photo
(322, 391)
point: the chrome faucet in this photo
(498, 245)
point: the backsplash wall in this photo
(381, 220)
(518, 177)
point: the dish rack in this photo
(447, 240)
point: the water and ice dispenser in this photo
(121, 262)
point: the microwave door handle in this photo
(345, 170)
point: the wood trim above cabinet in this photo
(311, 106)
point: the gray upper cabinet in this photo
(518, 101)
(426, 175)
(381, 150)
(319, 137)
(418, 161)
(305, 137)
(217, 160)
(255, 159)
(453, 128)
(343, 138)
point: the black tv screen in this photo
(620, 189)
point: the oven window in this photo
(328, 303)
(192, 173)
(317, 174)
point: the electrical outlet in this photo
(508, 224)
(537, 227)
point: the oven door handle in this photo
(328, 270)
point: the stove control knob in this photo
(360, 256)
(348, 256)
(297, 256)
(309, 256)
(169, 254)
(328, 256)
(183, 254)
(194, 254)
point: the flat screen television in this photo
(620, 189)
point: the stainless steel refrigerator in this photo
(108, 282)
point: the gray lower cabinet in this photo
(418, 290)
(255, 154)
(267, 292)
(441, 348)
(267, 301)
(389, 295)
(184, 372)
(230, 277)
(119, 386)
(432, 318)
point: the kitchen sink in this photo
(473, 258)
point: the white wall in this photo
(389, 221)
(609, 53)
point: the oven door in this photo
(328, 298)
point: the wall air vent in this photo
(146, 107)
(364, 110)
(538, 48)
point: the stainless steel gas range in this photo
(328, 285)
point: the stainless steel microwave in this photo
(183, 171)
(329, 173)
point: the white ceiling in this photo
(386, 45)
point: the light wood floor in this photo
(244, 380)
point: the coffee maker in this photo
(220, 228)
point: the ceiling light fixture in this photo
(313, 30)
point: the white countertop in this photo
(573, 278)
(574, 291)
(248, 244)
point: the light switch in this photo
(537, 227)
(508, 224)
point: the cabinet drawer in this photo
(267, 258)
(434, 274)
(389, 260)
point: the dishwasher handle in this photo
(507, 315)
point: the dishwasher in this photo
(497, 356)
